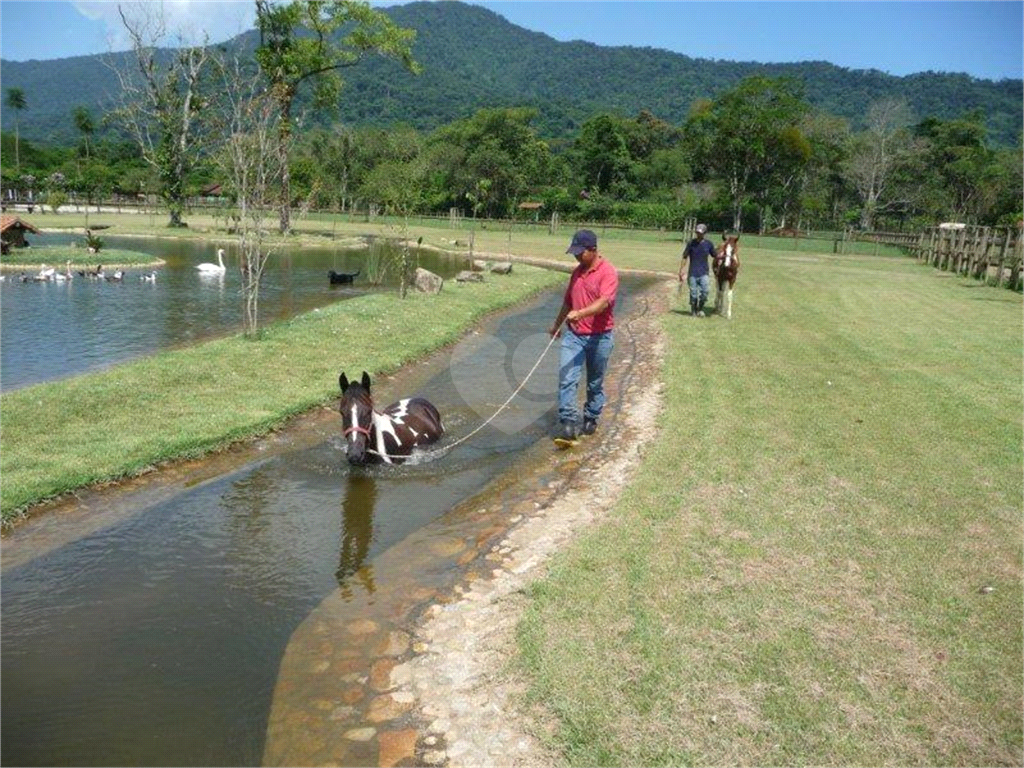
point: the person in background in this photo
(588, 309)
(694, 269)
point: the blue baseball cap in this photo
(582, 241)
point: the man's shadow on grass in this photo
(708, 312)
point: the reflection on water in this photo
(356, 533)
(54, 330)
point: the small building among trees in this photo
(12, 232)
(531, 207)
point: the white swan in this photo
(66, 275)
(214, 269)
(150, 278)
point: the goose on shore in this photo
(214, 269)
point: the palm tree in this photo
(16, 101)
(85, 125)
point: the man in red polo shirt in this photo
(588, 308)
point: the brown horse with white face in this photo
(726, 267)
(388, 436)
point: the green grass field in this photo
(819, 562)
(797, 576)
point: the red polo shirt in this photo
(585, 287)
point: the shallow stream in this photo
(149, 624)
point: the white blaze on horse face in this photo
(354, 423)
(728, 254)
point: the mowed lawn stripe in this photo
(795, 576)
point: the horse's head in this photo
(356, 417)
(730, 246)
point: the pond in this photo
(52, 330)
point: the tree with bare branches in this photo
(876, 155)
(250, 161)
(162, 103)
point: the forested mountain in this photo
(474, 58)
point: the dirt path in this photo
(466, 698)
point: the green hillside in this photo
(474, 58)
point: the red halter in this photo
(357, 428)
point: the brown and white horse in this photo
(387, 436)
(726, 266)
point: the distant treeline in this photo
(648, 138)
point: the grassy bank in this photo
(632, 249)
(28, 260)
(820, 562)
(63, 435)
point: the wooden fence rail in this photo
(992, 254)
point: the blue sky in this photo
(982, 39)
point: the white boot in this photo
(728, 304)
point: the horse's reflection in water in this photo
(356, 534)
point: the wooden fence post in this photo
(980, 266)
(1002, 256)
(1018, 256)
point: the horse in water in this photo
(387, 436)
(726, 266)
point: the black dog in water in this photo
(343, 278)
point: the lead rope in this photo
(439, 451)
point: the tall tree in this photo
(489, 160)
(603, 152)
(822, 189)
(780, 176)
(299, 43)
(16, 101)
(967, 169)
(162, 103)
(876, 156)
(745, 131)
(85, 125)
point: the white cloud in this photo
(185, 21)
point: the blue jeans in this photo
(592, 350)
(699, 287)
